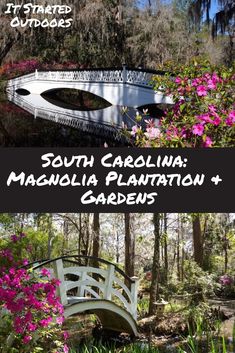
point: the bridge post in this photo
(81, 289)
(109, 283)
(124, 73)
(134, 293)
(59, 273)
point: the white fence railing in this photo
(135, 77)
(98, 283)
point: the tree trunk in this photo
(50, 235)
(96, 247)
(197, 240)
(80, 234)
(65, 237)
(96, 238)
(178, 249)
(154, 289)
(165, 248)
(129, 247)
(117, 247)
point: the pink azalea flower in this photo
(45, 322)
(65, 335)
(208, 142)
(27, 339)
(212, 108)
(205, 118)
(230, 120)
(217, 120)
(134, 130)
(178, 80)
(66, 349)
(198, 129)
(45, 272)
(211, 84)
(201, 90)
(152, 133)
(32, 327)
(60, 320)
(196, 82)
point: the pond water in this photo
(61, 119)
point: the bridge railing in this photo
(138, 77)
(108, 282)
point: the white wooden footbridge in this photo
(106, 291)
(120, 87)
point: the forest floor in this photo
(166, 332)
(227, 307)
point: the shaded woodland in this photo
(186, 261)
(138, 33)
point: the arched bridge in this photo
(105, 291)
(123, 87)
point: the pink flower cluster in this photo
(29, 298)
(226, 280)
(32, 304)
(10, 70)
(18, 68)
(201, 85)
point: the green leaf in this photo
(182, 107)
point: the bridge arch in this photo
(73, 99)
(106, 291)
(111, 316)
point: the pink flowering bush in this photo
(227, 283)
(203, 114)
(23, 67)
(30, 311)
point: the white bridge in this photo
(120, 87)
(106, 291)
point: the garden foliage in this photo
(203, 114)
(30, 311)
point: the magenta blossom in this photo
(45, 272)
(66, 349)
(178, 80)
(201, 90)
(27, 339)
(230, 120)
(208, 142)
(198, 129)
(205, 118)
(211, 84)
(226, 280)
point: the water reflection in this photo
(60, 119)
(104, 123)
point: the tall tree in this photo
(197, 239)
(224, 19)
(96, 238)
(129, 246)
(154, 289)
(165, 220)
